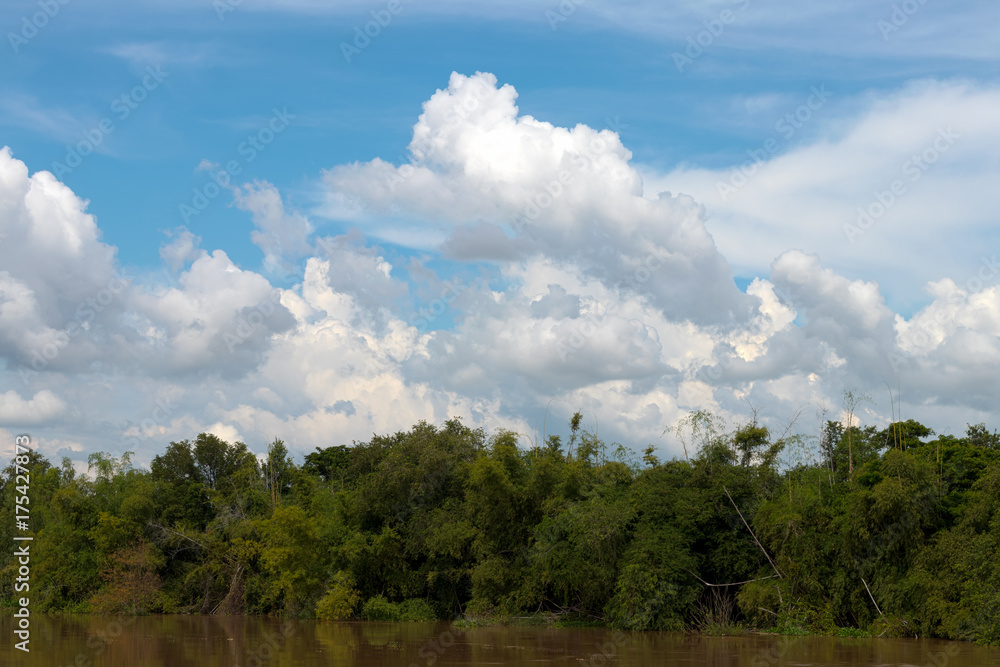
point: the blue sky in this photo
(772, 282)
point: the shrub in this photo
(416, 609)
(380, 609)
(340, 599)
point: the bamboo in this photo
(777, 571)
(735, 583)
(872, 597)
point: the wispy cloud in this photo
(26, 111)
(164, 52)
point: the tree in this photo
(176, 465)
(340, 600)
(181, 496)
(443, 520)
(277, 470)
(131, 583)
(699, 429)
(830, 441)
(749, 440)
(979, 436)
(217, 461)
(851, 402)
(329, 464)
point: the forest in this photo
(856, 531)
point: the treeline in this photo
(860, 530)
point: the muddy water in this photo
(236, 641)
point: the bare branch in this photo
(777, 571)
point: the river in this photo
(241, 641)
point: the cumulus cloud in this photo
(183, 249)
(218, 319)
(949, 351)
(556, 277)
(65, 307)
(480, 167)
(43, 407)
(360, 272)
(52, 262)
(280, 234)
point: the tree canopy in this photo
(888, 530)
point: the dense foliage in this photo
(887, 531)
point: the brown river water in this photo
(240, 641)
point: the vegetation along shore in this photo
(864, 531)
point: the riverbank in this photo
(884, 628)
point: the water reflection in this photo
(241, 641)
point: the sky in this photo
(320, 221)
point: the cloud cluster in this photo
(484, 174)
(534, 267)
(887, 178)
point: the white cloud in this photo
(605, 300)
(218, 319)
(182, 250)
(565, 193)
(41, 408)
(281, 235)
(161, 53)
(62, 125)
(53, 263)
(939, 140)
(961, 28)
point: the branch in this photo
(872, 597)
(776, 570)
(164, 528)
(735, 583)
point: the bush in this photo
(340, 599)
(717, 614)
(380, 609)
(416, 609)
(642, 601)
